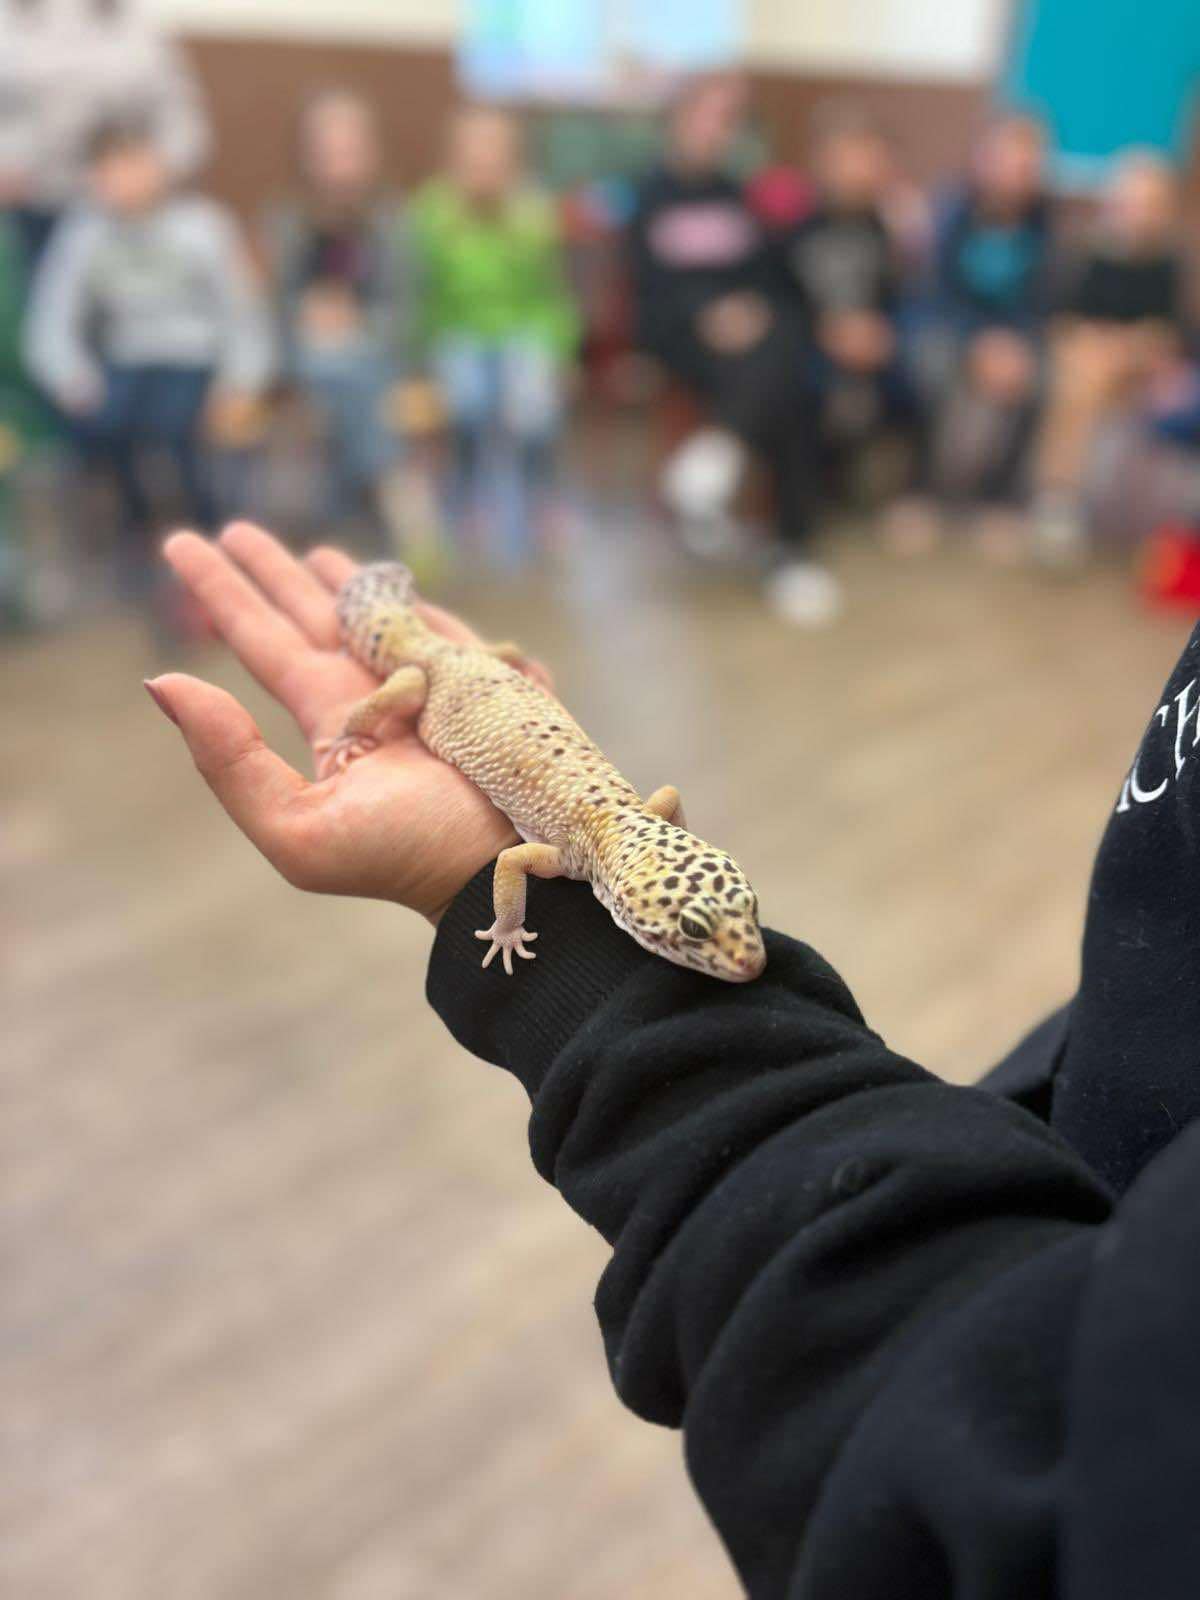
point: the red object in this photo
(1170, 567)
(779, 197)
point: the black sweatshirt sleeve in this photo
(854, 1286)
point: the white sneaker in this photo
(1060, 533)
(700, 479)
(804, 594)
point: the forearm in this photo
(794, 1210)
(247, 349)
(53, 346)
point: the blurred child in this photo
(342, 284)
(498, 324)
(842, 263)
(984, 347)
(1120, 331)
(710, 307)
(144, 325)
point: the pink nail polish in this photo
(160, 700)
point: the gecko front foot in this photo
(507, 942)
(335, 755)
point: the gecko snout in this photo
(750, 965)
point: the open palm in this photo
(396, 825)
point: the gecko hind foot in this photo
(335, 755)
(507, 942)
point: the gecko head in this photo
(692, 904)
(381, 583)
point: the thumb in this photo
(256, 787)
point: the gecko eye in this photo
(692, 927)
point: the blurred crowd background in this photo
(383, 295)
(813, 384)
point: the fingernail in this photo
(160, 700)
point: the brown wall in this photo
(932, 122)
(255, 88)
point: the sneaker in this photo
(804, 594)
(701, 478)
(1061, 541)
(911, 527)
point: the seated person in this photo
(499, 327)
(1119, 330)
(342, 284)
(841, 265)
(144, 322)
(983, 340)
(708, 306)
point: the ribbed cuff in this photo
(522, 1022)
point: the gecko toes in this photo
(506, 943)
(335, 755)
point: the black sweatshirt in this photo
(1108, 287)
(918, 1345)
(693, 240)
(839, 261)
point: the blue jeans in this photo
(505, 407)
(146, 409)
(349, 385)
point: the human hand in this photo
(234, 418)
(14, 186)
(735, 322)
(859, 340)
(329, 314)
(414, 407)
(81, 394)
(396, 825)
(1002, 365)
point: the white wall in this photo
(388, 21)
(950, 39)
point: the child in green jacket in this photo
(497, 323)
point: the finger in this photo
(263, 640)
(446, 623)
(540, 674)
(331, 567)
(256, 787)
(296, 591)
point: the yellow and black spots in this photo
(684, 899)
(677, 896)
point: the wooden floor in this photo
(285, 1311)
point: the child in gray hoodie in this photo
(145, 325)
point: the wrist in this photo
(521, 1022)
(442, 892)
